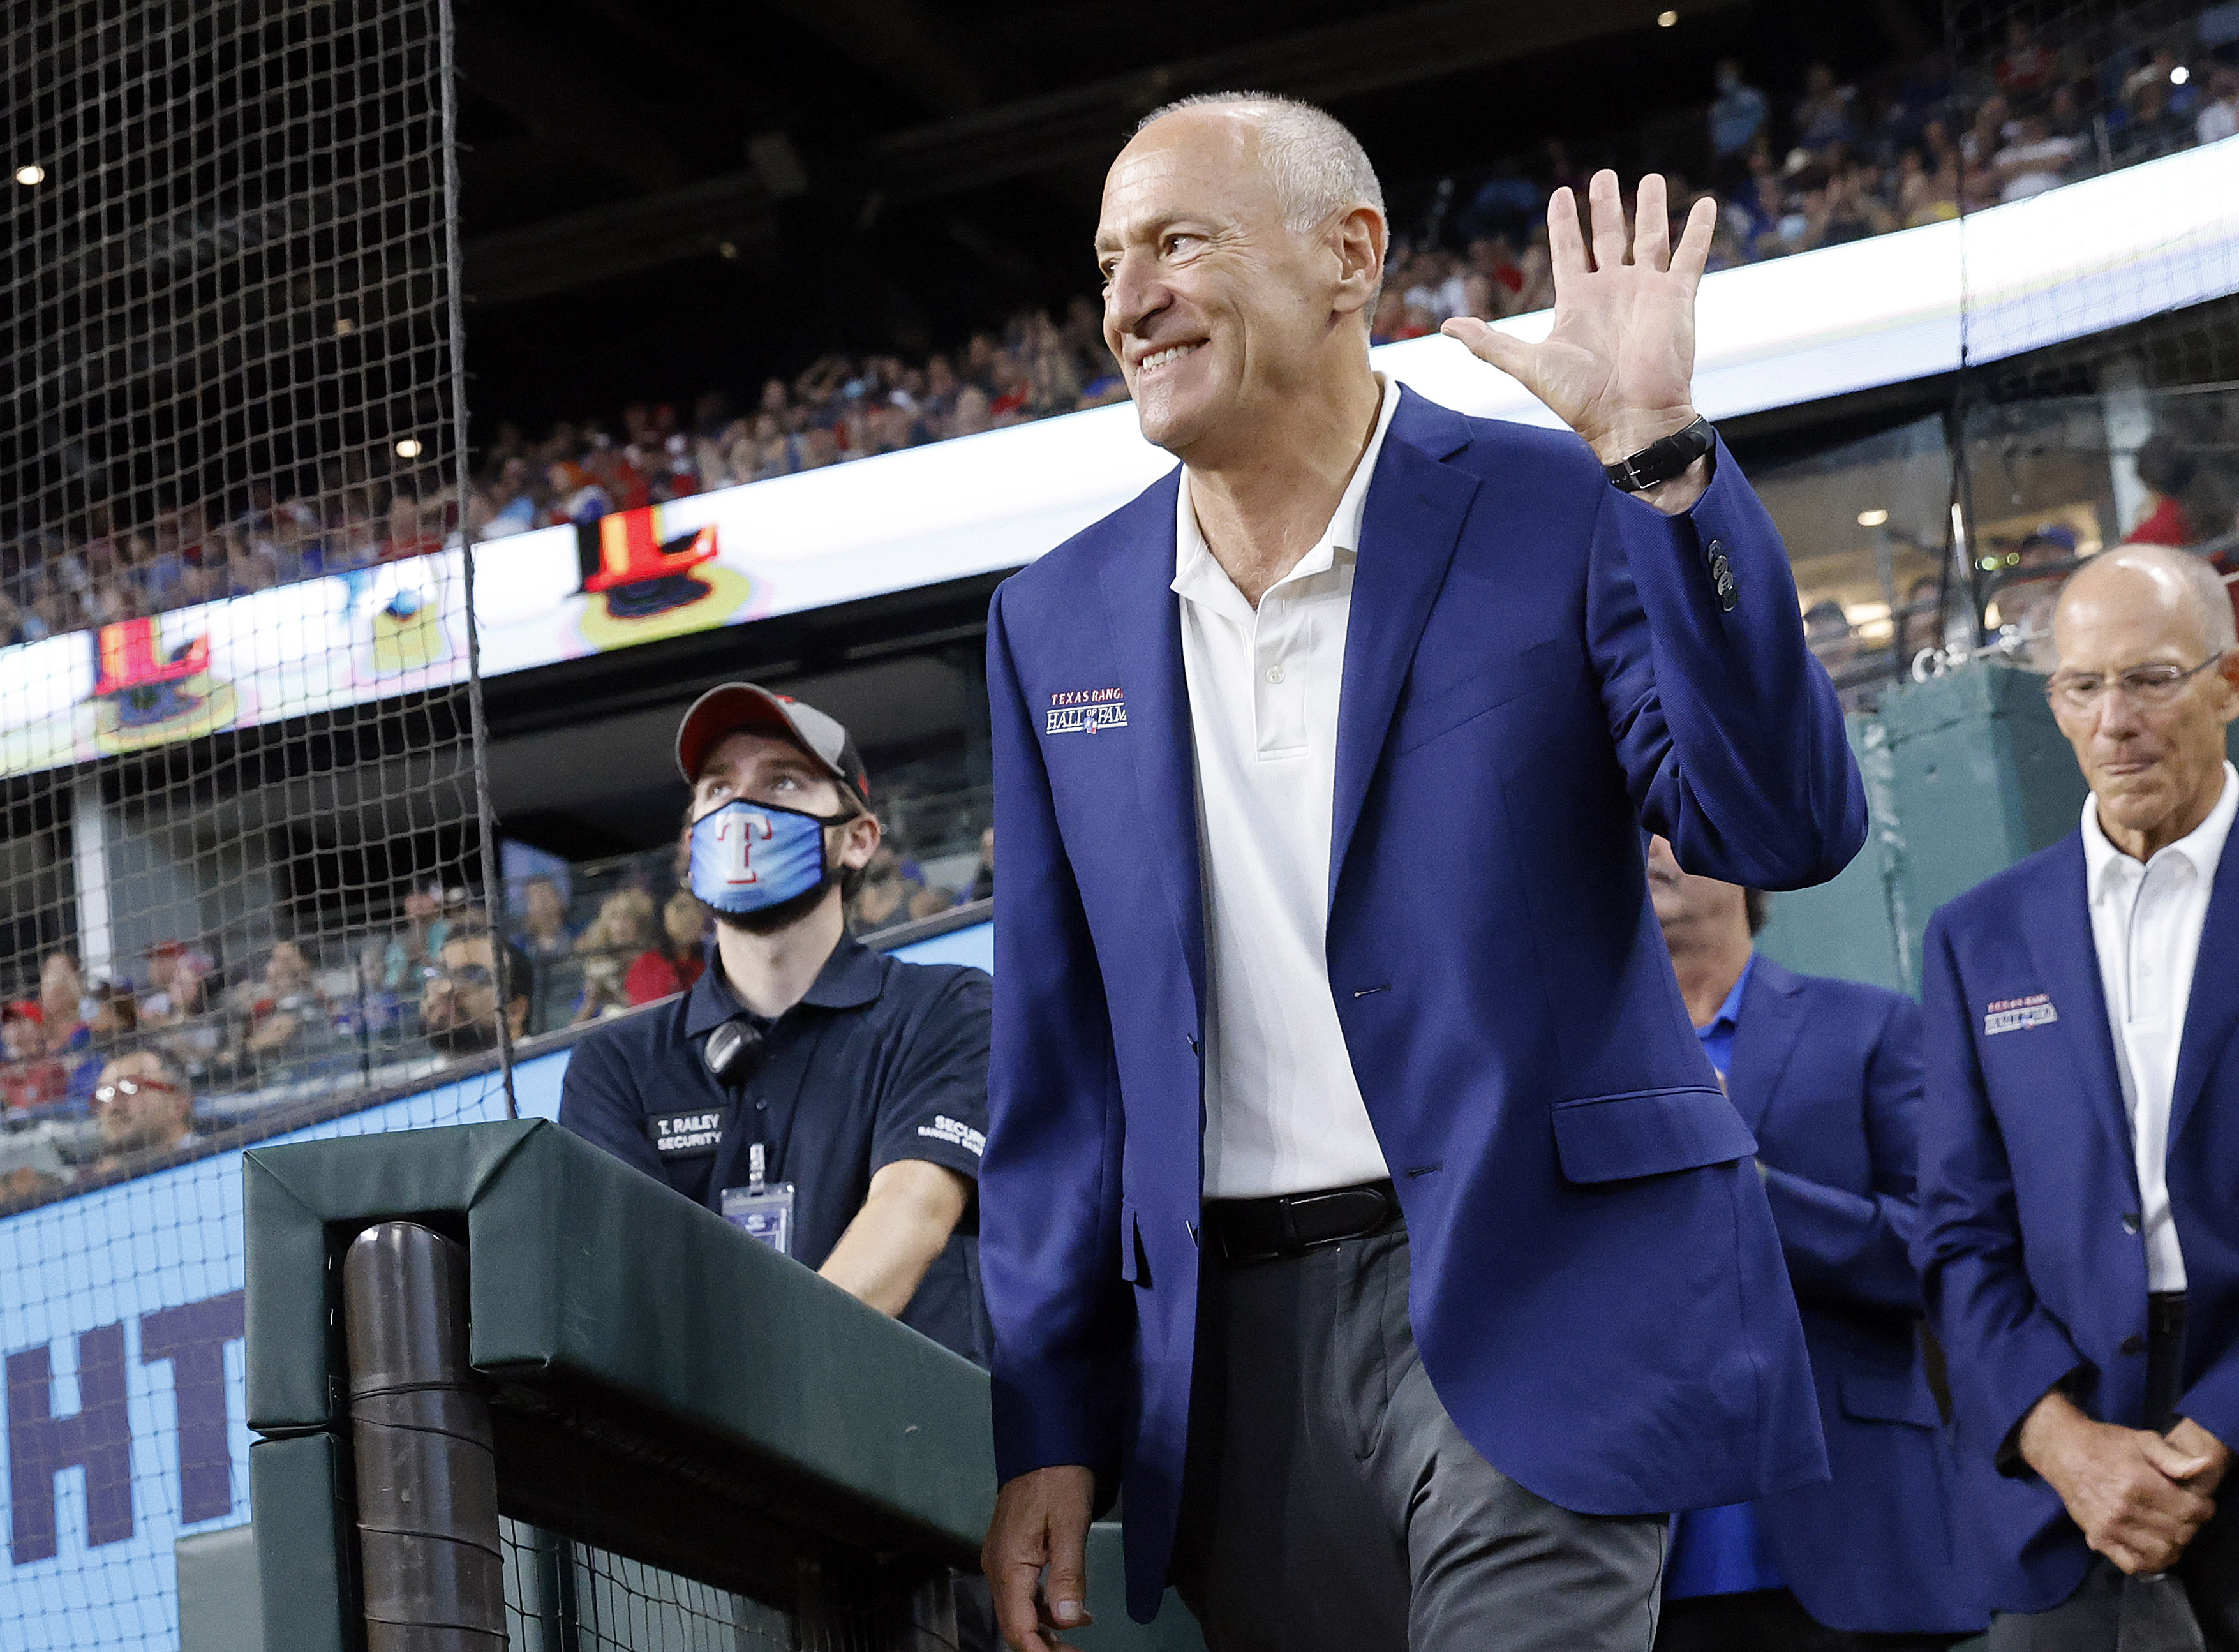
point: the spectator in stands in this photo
(114, 1021)
(544, 933)
(2219, 111)
(288, 1017)
(885, 893)
(63, 1003)
(473, 980)
(1827, 1075)
(674, 961)
(828, 1100)
(1736, 122)
(31, 1077)
(610, 944)
(417, 943)
(2026, 602)
(1823, 114)
(2167, 471)
(2033, 161)
(2078, 1238)
(144, 1105)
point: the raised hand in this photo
(1620, 364)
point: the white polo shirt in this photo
(1283, 1111)
(2146, 922)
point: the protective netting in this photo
(2097, 407)
(566, 1596)
(243, 868)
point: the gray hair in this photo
(1318, 165)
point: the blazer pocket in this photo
(1433, 710)
(1647, 1132)
(1889, 1396)
(1134, 1266)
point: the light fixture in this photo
(409, 448)
(1873, 518)
(30, 175)
(2180, 75)
(1665, 19)
(728, 248)
(344, 327)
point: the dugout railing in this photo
(697, 1443)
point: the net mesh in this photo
(566, 1596)
(242, 855)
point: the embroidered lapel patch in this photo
(1083, 711)
(2014, 1015)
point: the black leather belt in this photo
(1290, 1224)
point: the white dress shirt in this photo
(1283, 1111)
(2146, 920)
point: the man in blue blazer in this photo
(1826, 1074)
(1357, 1197)
(2079, 1179)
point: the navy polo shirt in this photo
(881, 1061)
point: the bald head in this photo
(2147, 682)
(1316, 165)
(2184, 591)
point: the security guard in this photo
(828, 1100)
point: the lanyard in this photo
(759, 1144)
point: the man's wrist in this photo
(1629, 433)
(2050, 1421)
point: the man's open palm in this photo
(1619, 363)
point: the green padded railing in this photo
(650, 1365)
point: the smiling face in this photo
(1216, 308)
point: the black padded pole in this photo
(426, 1477)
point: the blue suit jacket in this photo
(1535, 664)
(2028, 1247)
(1828, 1075)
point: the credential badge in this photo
(2015, 1015)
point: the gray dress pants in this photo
(1331, 1504)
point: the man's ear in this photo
(859, 841)
(1359, 240)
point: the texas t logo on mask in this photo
(747, 856)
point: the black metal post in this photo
(433, 1569)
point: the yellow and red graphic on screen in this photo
(144, 695)
(639, 584)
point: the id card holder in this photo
(763, 1209)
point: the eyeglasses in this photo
(461, 975)
(2158, 685)
(108, 1093)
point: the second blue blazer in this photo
(2030, 1247)
(1827, 1074)
(1535, 667)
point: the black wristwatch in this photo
(1659, 461)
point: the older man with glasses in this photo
(2079, 1173)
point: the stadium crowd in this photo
(1830, 162)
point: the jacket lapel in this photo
(2212, 1010)
(1414, 519)
(2067, 960)
(1147, 638)
(1772, 1016)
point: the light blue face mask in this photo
(746, 857)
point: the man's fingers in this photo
(1608, 212)
(1065, 1585)
(2172, 1460)
(1695, 241)
(1566, 247)
(1652, 225)
(1013, 1586)
(1488, 343)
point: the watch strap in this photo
(1659, 461)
